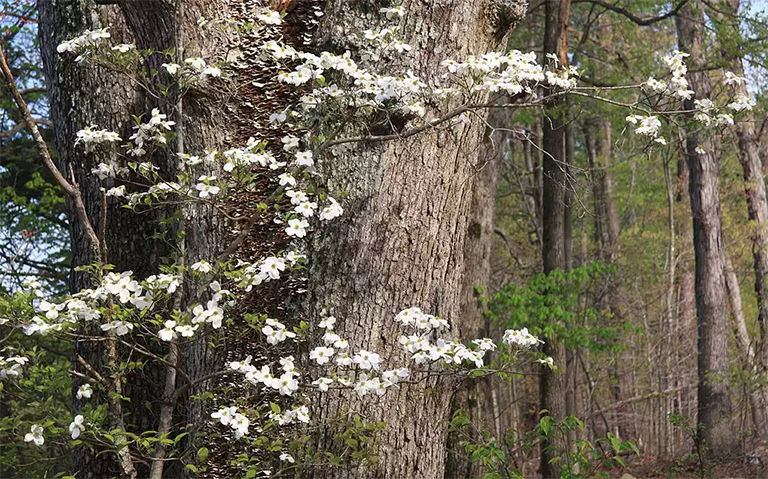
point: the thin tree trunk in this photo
(743, 340)
(757, 207)
(552, 387)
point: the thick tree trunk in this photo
(81, 95)
(402, 240)
(553, 384)
(408, 213)
(702, 157)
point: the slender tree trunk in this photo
(597, 135)
(597, 132)
(757, 207)
(552, 387)
(743, 340)
(703, 160)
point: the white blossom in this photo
(297, 227)
(84, 392)
(77, 426)
(270, 17)
(321, 354)
(520, 338)
(35, 435)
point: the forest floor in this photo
(688, 467)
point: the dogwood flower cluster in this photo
(154, 131)
(12, 366)
(520, 338)
(362, 371)
(742, 103)
(249, 275)
(339, 82)
(730, 78)
(89, 137)
(678, 84)
(83, 43)
(197, 66)
(121, 288)
(513, 73)
(276, 332)
(647, 126)
(296, 414)
(706, 114)
(238, 422)
(423, 349)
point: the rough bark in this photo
(552, 386)
(757, 206)
(83, 94)
(409, 203)
(479, 398)
(402, 240)
(703, 161)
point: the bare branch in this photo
(70, 189)
(643, 22)
(436, 122)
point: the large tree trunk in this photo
(408, 211)
(553, 384)
(703, 160)
(402, 241)
(479, 397)
(81, 95)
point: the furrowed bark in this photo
(401, 241)
(83, 94)
(703, 160)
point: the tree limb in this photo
(70, 190)
(633, 17)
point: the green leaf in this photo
(202, 454)
(192, 468)
(180, 437)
